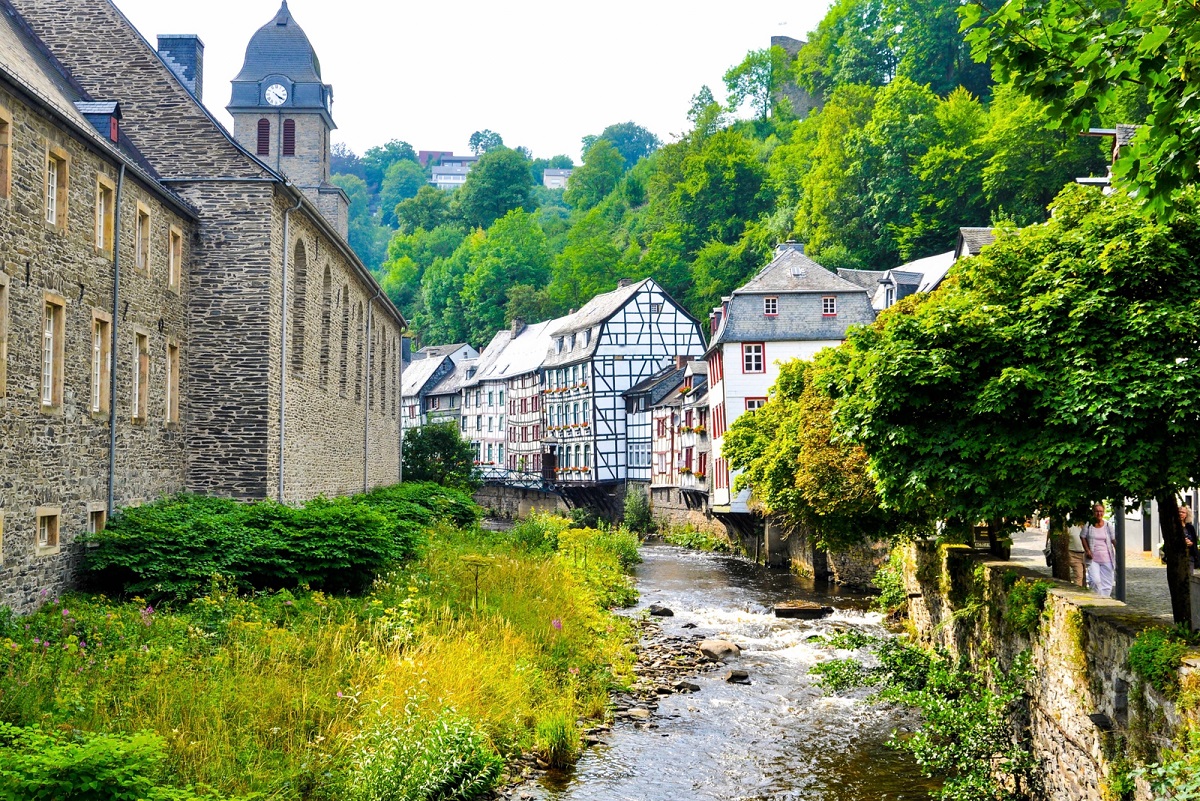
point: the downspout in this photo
(399, 400)
(112, 348)
(283, 348)
(370, 393)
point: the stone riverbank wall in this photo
(517, 503)
(1081, 685)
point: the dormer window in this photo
(770, 306)
(558, 343)
(829, 306)
(889, 297)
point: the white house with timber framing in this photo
(617, 340)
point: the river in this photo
(778, 738)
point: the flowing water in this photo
(780, 737)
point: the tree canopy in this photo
(498, 183)
(438, 453)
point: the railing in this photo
(494, 475)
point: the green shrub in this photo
(444, 504)
(538, 534)
(695, 539)
(56, 766)
(1156, 655)
(585, 517)
(1025, 602)
(889, 580)
(840, 675)
(412, 760)
(637, 512)
(557, 739)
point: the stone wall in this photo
(514, 502)
(670, 508)
(55, 457)
(1079, 653)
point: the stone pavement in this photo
(1145, 576)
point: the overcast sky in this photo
(542, 73)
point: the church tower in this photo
(283, 112)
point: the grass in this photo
(279, 693)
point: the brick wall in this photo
(58, 457)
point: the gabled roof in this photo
(452, 383)
(598, 309)
(660, 386)
(521, 354)
(418, 374)
(489, 356)
(792, 271)
(867, 279)
(973, 240)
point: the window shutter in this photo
(289, 137)
(264, 138)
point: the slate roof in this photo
(281, 47)
(417, 375)
(867, 279)
(792, 271)
(521, 354)
(110, 107)
(973, 240)
(489, 356)
(452, 384)
(434, 351)
(657, 387)
(598, 309)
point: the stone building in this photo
(249, 352)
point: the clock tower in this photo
(282, 112)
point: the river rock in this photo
(688, 626)
(737, 677)
(639, 714)
(657, 610)
(685, 687)
(802, 610)
(719, 650)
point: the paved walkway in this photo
(1145, 576)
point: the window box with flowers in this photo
(700, 430)
(699, 476)
(685, 471)
(585, 425)
(585, 470)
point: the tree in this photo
(848, 48)
(409, 255)
(539, 166)
(591, 183)
(722, 188)
(485, 140)
(426, 210)
(756, 79)
(512, 252)
(588, 264)
(375, 161)
(344, 161)
(401, 181)
(705, 113)
(1086, 54)
(631, 140)
(1048, 371)
(367, 237)
(438, 453)
(498, 183)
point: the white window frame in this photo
(829, 306)
(771, 307)
(750, 357)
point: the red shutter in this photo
(289, 137)
(264, 138)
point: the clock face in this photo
(276, 94)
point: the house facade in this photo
(791, 309)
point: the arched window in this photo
(299, 305)
(344, 364)
(358, 353)
(289, 137)
(326, 324)
(264, 138)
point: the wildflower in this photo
(339, 695)
(287, 603)
(557, 624)
(37, 641)
(66, 612)
(574, 671)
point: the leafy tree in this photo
(722, 188)
(367, 237)
(485, 140)
(443, 318)
(1046, 372)
(631, 140)
(587, 265)
(375, 161)
(929, 48)
(1086, 54)
(403, 180)
(848, 48)
(757, 79)
(512, 252)
(344, 161)
(592, 182)
(539, 166)
(438, 453)
(426, 210)
(498, 183)
(705, 113)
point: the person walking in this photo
(1189, 535)
(1100, 550)
(1076, 555)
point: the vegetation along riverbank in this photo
(311, 669)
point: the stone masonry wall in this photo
(669, 509)
(1079, 653)
(57, 456)
(517, 503)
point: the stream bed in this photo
(780, 737)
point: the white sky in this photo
(540, 73)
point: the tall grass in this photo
(274, 693)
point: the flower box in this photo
(700, 430)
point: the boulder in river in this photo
(737, 677)
(657, 610)
(685, 687)
(719, 650)
(803, 610)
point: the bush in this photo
(889, 580)
(1025, 602)
(637, 512)
(412, 760)
(55, 766)
(1156, 655)
(695, 539)
(438, 454)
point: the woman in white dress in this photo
(1099, 545)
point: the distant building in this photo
(792, 309)
(800, 99)
(447, 178)
(427, 157)
(556, 179)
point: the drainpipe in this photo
(112, 347)
(367, 397)
(400, 410)
(283, 349)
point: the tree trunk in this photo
(1179, 564)
(1060, 547)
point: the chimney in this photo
(184, 54)
(406, 349)
(518, 325)
(714, 321)
(624, 282)
(681, 361)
